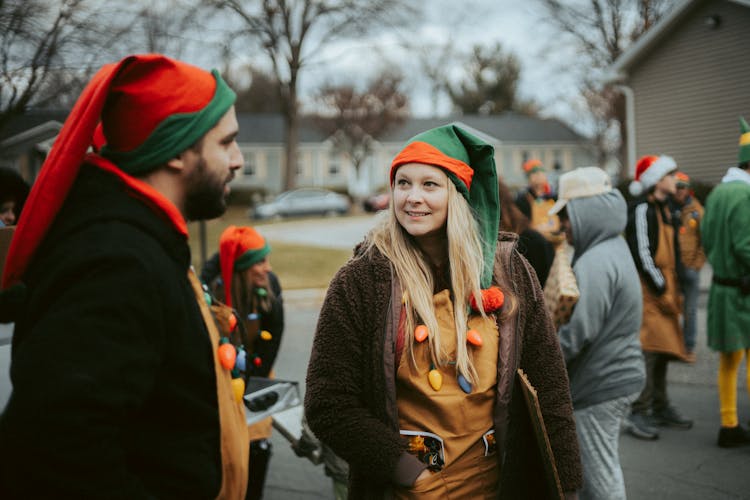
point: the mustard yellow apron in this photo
(660, 331)
(234, 449)
(463, 422)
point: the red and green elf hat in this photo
(239, 249)
(683, 179)
(532, 165)
(744, 153)
(470, 164)
(152, 108)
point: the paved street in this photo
(680, 465)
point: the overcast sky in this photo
(515, 24)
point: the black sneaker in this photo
(731, 437)
(639, 425)
(670, 417)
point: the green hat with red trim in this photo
(744, 153)
(470, 165)
(532, 165)
(683, 179)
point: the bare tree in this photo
(31, 38)
(168, 27)
(292, 32)
(48, 49)
(356, 120)
(602, 30)
(433, 60)
(491, 83)
(260, 96)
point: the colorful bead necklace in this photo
(234, 358)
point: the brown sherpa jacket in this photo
(350, 399)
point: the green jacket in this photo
(725, 230)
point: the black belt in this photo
(742, 283)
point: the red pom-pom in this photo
(492, 300)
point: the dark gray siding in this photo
(691, 89)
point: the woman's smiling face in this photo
(420, 199)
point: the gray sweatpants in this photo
(598, 429)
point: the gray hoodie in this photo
(601, 343)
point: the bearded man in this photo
(117, 392)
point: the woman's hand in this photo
(422, 475)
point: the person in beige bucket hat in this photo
(581, 183)
(600, 343)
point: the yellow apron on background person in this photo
(541, 221)
(660, 331)
(463, 421)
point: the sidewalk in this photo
(680, 465)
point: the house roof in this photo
(511, 127)
(32, 118)
(262, 128)
(36, 128)
(619, 69)
(506, 127)
(269, 128)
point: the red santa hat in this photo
(649, 170)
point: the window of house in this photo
(557, 162)
(251, 167)
(300, 165)
(273, 161)
(334, 165)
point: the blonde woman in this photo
(413, 365)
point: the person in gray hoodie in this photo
(600, 343)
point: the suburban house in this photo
(27, 139)
(686, 83)
(516, 138)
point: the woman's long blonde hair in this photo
(418, 283)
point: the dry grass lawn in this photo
(297, 266)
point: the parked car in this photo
(376, 202)
(305, 201)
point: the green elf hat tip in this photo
(470, 164)
(744, 153)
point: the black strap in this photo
(728, 281)
(743, 283)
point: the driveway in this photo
(330, 232)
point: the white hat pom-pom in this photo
(635, 188)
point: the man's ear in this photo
(178, 163)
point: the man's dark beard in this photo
(205, 194)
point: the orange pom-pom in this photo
(492, 300)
